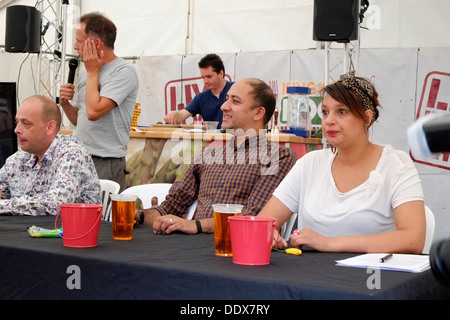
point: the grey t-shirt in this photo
(108, 136)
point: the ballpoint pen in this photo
(386, 257)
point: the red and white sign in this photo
(435, 99)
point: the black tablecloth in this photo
(180, 266)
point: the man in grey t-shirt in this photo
(106, 97)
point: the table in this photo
(180, 267)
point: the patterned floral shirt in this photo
(66, 174)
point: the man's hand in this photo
(171, 118)
(66, 93)
(91, 56)
(170, 223)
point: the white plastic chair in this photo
(146, 192)
(108, 187)
(430, 223)
(191, 210)
(286, 228)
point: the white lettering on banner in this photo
(435, 98)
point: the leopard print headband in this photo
(363, 89)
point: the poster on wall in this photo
(434, 96)
(154, 74)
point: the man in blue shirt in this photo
(207, 103)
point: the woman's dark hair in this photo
(353, 97)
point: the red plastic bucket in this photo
(251, 239)
(81, 224)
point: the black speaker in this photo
(23, 29)
(336, 20)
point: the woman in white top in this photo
(357, 196)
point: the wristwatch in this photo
(199, 226)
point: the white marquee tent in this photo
(404, 48)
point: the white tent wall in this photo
(149, 28)
(10, 65)
(200, 26)
(405, 47)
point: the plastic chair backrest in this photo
(430, 223)
(146, 192)
(286, 228)
(108, 187)
(191, 210)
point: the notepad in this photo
(399, 262)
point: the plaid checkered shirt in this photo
(241, 172)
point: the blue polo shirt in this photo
(208, 105)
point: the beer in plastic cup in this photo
(123, 206)
(222, 235)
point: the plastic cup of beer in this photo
(211, 126)
(222, 237)
(123, 207)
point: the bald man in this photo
(49, 169)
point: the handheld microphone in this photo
(73, 64)
(430, 134)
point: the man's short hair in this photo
(50, 110)
(214, 61)
(97, 25)
(263, 96)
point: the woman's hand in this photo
(310, 238)
(278, 241)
